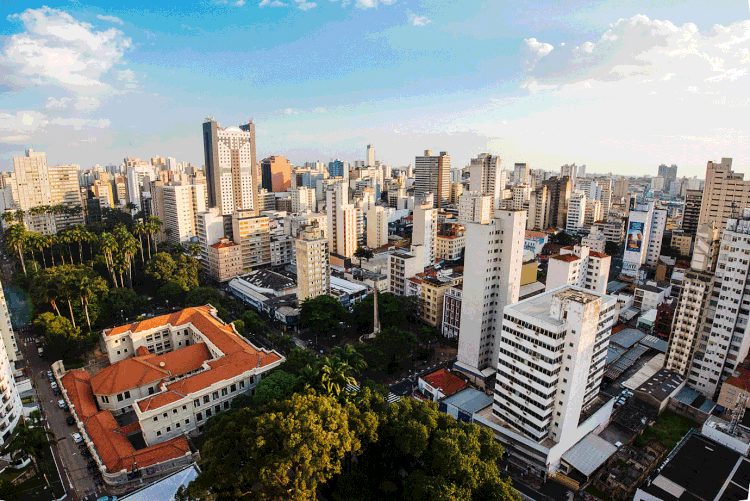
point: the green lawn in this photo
(35, 488)
(668, 429)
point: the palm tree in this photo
(131, 207)
(30, 441)
(351, 356)
(19, 215)
(68, 287)
(335, 376)
(8, 217)
(108, 246)
(308, 377)
(35, 241)
(45, 288)
(139, 230)
(89, 286)
(127, 247)
(194, 249)
(154, 226)
(16, 237)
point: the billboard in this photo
(634, 241)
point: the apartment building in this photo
(559, 189)
(486, 178)
(576, 211)
(303, 199)
(252, 233)
(450, 242)
(539, 209)
(725, 194)
(432, 175)
(11, 410)
(691, 214)
(313, 265)
(282, 249)
(31, 188)
(342, 220)
(492, 280)
(424, 231)
(103, 191)
(595, 240)
(474, 207)
(452, 312)
(224, 260)
(377, 227)
(65, 189)
(552, 354)
(433, 290)
(181, 205)
(402, 266)
(645, 230)
(613, 229)
(580, 266)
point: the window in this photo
(224, 392)
(177, 425)
(196, 402)
(208, 413)
(199, 416)
(187, 421)
(158, 433)
(127, 394)
(165, 415)
(169, 428)
(233, 387)
(206, 399)
(119, 397)
(156, 418)
(215, 395)
(242, 384)
(217, 409)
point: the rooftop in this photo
(469, 400)
(589, 454)
(445, 381)
(739, 379)
(569, 258)
(661, 385)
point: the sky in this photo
(618, 85)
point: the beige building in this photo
(103, 191)
(432, 293)
(595, 240)
(735, 390)
(487, 178)
(474, 207)
(432, 175)
(32, 189)
(342, 220)
(65, 189)
(726, 193)
(450, 243)
(539, 209)
(313, 266)
(303, 199)
(682, 242)
(224, 260)
(252, 233)
(377, 227)
(276, 173)
(181, 205)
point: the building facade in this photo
(432, 175)
(313, 265)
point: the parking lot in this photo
(80, 481)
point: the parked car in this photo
(70, 420)
(107, 498)
(61, 403)
(56, 392)
(77, 438)
(53, 385)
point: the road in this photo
(76, 477)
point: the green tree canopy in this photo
(164, 268)
(393, 311)
(322, 315)
(274, 387)
(205, 295)
(124, 300)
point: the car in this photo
(77, 438)
(70, 420)
(61, 403)
(53, 385)
(107, 498)
(56, 392)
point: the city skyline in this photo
(617, 86)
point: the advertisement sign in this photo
(634, 240)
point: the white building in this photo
(487, 178)
(136, 176)
(552, 355)
(492, 278)
(576, 211)
(474, 207)
(578, 265)
(377, 227)
(404, 265)
(645, 230)
(303, 199)
(12, 409)
(595, 240)
(182, 204)
(209, 227)
(342, 220)
(424, 231)
(651, 294)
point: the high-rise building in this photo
(32, 189)
(402, 266)
(339, 168)
(424, 231)
(303, 199)
(209, 227)
(645, 231)
(276, 173)
(552, 351)
(313, 267)
(252, 233)
(539, 209)
(370, 156)
(692, 213)
(559, 189)
(576, 211)
(620, 189)
(231, 169)
(12, 406)
(65, 189)
(181, 206)
(725, 194)
(377, 227)
(473, 207)
(570, 171)
(521, 173)
(342, 220)
(136, 176)
(492, 278)
(433, 176)
(579, 266)
(487, 177)
(595, 240)
(669, 174)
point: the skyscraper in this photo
(231, 170)
(692, 213)
(725, 194)
(559, 189)
(13, 408)
(276, 173)
(370, 155)
(433, 176)
(487, 178)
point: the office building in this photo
(645, 230)
(552, 355)
(492, 278)
(580, 266)
(231, 172)
(339, 168)
(282, 249)
(12, 410)
(520, 197)
(313, 266)
(613, 229)
(487, 177)
(692, 212)
(377, 227)
(370, 156)
(473, 207)
(424, 231)
(224, 260)
(433, 176)
(620, 189)
(521, 174)
(342, 220)
(252, 233)
(725, 194)
(65, 190)
(276, 173)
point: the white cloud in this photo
(66, 103)
(291, 111)
(320, 110)
(80, 123)
(110, 19)
(416, 20)
(239, 3)
(127, 77)
(371, 4)
(57, 50)
(645, 50)
(304, 5)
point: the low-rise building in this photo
(651, 295)
(580, 266)
(224, 260)
(434, 287)
(452, 312)
(450, 242)
(403, 266)
(736, 389)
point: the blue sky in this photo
(620, 86)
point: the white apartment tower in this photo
(303, 199)
(31, 188)
(521, 173)
(492, 278)
(424, 231)
(377, 227)
(370, 155)
(313, 267)
(231, 170)
(182, 204)
(402, 266)
(580, 266)
(487, 177)
(12, 409)
(209, 227)
(576, 211)
(65, 189)
(342, 220)
(473, 207)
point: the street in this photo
(78, 481)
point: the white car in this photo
(77, 438)
(53, 385)
(61, 403)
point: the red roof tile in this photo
(565, 257)
(598, 254)
(741, 381)
(446, 381)
(77, 384)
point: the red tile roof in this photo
(565, 257)
(77, 384)
(741, 381)
(446, 381)
(598, 254)
(222, 245)
(535, 234)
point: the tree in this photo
(90, 285)
(351, 356)
(394, 311)
(171, 291)
(204, 295)
(276, 386)
(253, 323)
(565, 239)
(194, 250)
(612, 248)
(363, 253)
(153, 226)
(30, 441)
(389, 349)
(335, 376)
(121, 302)
(164, 268)
(322, 315)
(15, 237)
(297, 359)
(284, 452)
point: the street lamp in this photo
(122, 315)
